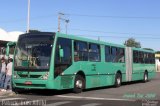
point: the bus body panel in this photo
(97, 74)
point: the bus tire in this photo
(79, 84)
(145, 77)
(118, 80)
(14, 89)
(18, 90)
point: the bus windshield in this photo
(33, 51)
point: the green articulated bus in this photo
(45, 60)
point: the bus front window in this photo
(33, 51)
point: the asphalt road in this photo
(129, 94)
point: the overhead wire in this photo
(147, 36)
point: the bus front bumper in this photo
(33, 84)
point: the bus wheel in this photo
(118, 80)
(18, 90)
(145, 78)
(79, 84)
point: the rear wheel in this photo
(145, 78)
(118, 80)
(79, 84)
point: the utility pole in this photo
(59, 22)
(98, 38)
(28, 18)
(67, 21)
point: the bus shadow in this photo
(112, 86)
(45, 92)
(132, 82)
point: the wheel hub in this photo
(145, 77)
(79, 84)
(118, 81)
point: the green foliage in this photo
(148, 49)
(132, 43)
(158, 52)
(33, 31)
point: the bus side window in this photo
(135, 57)
(113, 54)
(107, 54)
(141, 57)
(148, 58)
(145, 57)
(80, 51)
(120, 56)
(94, 52)
(152, 58)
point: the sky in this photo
(112, 20)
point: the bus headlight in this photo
(45, 77)
(15, 76)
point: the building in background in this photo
(2, 47)
(9, 36)
(6, 37)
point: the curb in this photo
(7, 93)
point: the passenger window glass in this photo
(94, 52)
(80, 51)
(107, 54)
(114, 50)
(141, 57)
(113, 53)
(120, 55)
(117, 55)
(145, 57)
(135, 56)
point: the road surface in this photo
(129, 94)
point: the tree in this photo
(33, 31)
(148, 49)
(132, 43)
(158, 52)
